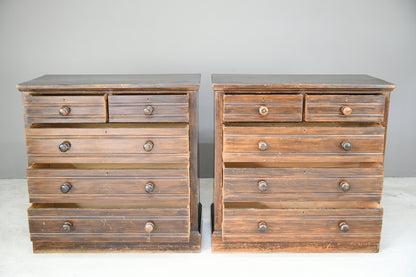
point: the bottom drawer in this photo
(76, 223)
(302, 224)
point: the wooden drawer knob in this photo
(262, 185)
(263, 110)
(262, 145)
(345, 186)
(148, 110)
(149, 187)
(66, 187)
(346, 146)
(64, 146)
(149, 227)
(65, 110)
(343, 227)
(262, 227)
(345, 110)
(148, 146)
(67, 227)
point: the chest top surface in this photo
(113, 82)
(305, 81)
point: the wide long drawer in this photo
(329, 224)
(148, 108)
(303, 144)
(75, 223)
(303, 184)
(156, 187)
(65, 109)
(107, 145)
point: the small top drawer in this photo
(148, 108)
(261, 108)
(64, 109)
(345, 108)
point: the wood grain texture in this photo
(297, 144)
(192, 246)
(327, 108)
(218, 166)
(165, 108)
(112, 158)
(124, 224)
(220, 246)
(107, 145)
(61, 83)
(299, 81)
(195, 213)
(287, 187)
(109, 185)
(45, 109)
(243, 108)
(301, 224)
(302, 184)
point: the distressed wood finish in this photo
(309, 180)
(83, 109)
(113, 163)
(329, 108)
(299, 225)
(295, 144)
(243, 108)
(162, 108)
(300, 184)
(103, 185)
(108, 145)
(104, 224)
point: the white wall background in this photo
(376, 37)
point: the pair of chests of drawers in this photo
(108, 167)
(302, 167)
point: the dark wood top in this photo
(253, 81)
(113, 82)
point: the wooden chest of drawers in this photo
(299, 162)
(112, 162)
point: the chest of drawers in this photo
(112, 162)
(299, 162)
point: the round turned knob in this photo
(343, 227)
(149, 187)
(149, 227)
(64, 111)
(262, 227)
(148, 146)
(263, 110)
(67, 227)
(262, 145)
(345, 186)
(262, 185)
(66, 187)
(148, 110)
(345, 110)
(64, 146)
(346, 146)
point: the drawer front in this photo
(51, 224)
(302, 184)
(148, 108)
(64, 109)
(273, 225)
(345, 108)
(107, 145)
(152, 186)
(303, 144)
(262, 108)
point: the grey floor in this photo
(397, 255)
